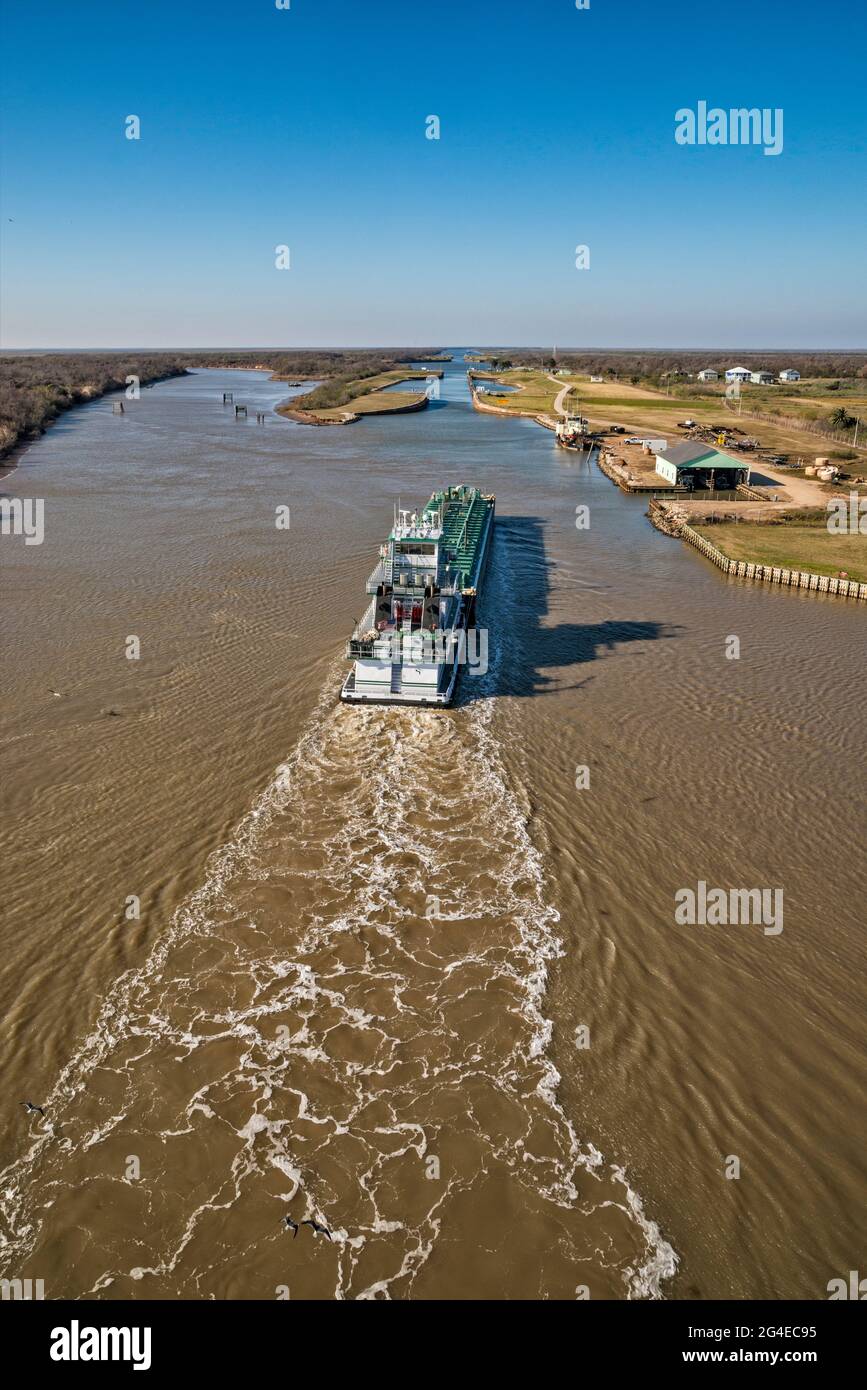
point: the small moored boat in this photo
(573, 432)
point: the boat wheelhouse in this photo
(409, 646)
(573, 432)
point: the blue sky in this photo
(306, 127)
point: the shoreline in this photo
(486, 409)
(350, 417)
(674, 511)
(11, 453)
(419, 401)
(789, 576)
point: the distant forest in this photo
(37, 387)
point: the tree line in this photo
(37, 387)
(659, 365)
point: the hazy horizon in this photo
(564, 349)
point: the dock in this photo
(619, 468)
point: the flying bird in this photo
(317, 1229)
(291, 1225)
(31, 1108)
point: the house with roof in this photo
(762, 378)
(695, 465)
(708, 375)
(790, 375)
(738, 374)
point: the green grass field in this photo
(536, 396)
(798, 547)
(643, 408)
(382, 402)
(367, 396)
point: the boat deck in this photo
(411, 643)
(465, 515)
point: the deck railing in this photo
(377, 576)
(366, 622)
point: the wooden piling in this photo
(745, 569)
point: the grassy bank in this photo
(791, 413)
(799, 546)
(345, 395)
(534, 395)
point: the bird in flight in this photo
(291, 1225)
(317, 1229)
(31, 1108)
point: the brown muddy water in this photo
(371, 943)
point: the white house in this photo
(738, 374)
(708, 375)
(762, 378)
(790, 375)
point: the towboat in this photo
(573, 432)
(417, 630)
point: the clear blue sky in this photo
(307, 127)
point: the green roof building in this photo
(700, 465)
